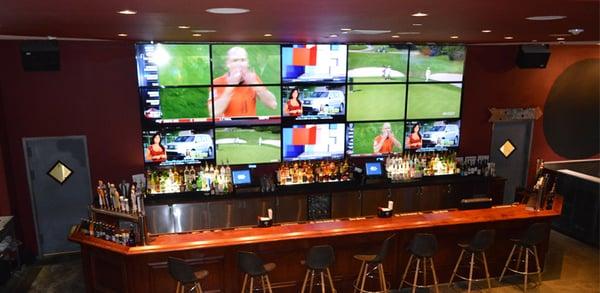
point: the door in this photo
(60, 188)
(511, 165)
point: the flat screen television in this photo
(377, 63)
(374, 138)
(178, 146)
(368, 102)
(311, 63)
(248, 145)
(241, 177)
(313, 141)
(373, 169)
(432, 135)
(437, 63)
(246, 64)
(434, 101)
(243, 105)
(314, 102)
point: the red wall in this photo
(493, 80)
(95, 94)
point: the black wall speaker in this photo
(40, 55)
(533, 56)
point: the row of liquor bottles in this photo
(409, 166)
(207, 178)
(108, 232)
(314, 171)
(124, 198)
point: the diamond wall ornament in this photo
(507, 148)
(60, 172)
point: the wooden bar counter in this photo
(109, 267)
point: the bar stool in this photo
(318, 260)
(254, 267)
(482, 240)
(183, 273)
(528, 241)
(422, 248)
(376, 263)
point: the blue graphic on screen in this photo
(373, 168)
(241, 177)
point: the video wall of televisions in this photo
(268, 103)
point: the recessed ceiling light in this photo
(122, 35)
(454, 37)
(508, 38)
(196, 35)
(408, 33)
(227, 10)
(370, 32)
(417, 24)
(559, 35)
(204, 31)
(395, 36)
(345, 29)
(419, 14)
(576, 31)
(333, 36)
(486, 31)
(127, 12)
(345, 33)
(184, 27)
(534, 41)
(560, 39)
(546, 17)
(268, 35)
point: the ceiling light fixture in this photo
(184, 27)
(417, 24)
(508, 38)
(545, 17)
(560, 39)
(122, 35)
(454, 37)
(196, 35)
(127, 12)
(395, 36)
(333, 36)
(419, 14)
(227, 10)
(408, 33)
(204, 31)
(486, 31)
(345, 33)
(268, 35)
(576, 31)
(345, 29)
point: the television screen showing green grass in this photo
(256, 63)
(184, 102)
(248, 145)
(372, 138)
(431, 101)
(437, 63)
(182, 64)
(376, 102)
(377, 63)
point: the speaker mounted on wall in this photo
(533, 56)
(40, 55)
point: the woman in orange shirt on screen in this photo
(293, 107)
(414, 140)
(156, 152)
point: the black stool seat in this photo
(254, 267)
(183, 273)
(423, 245)
(422, 248)
(371, 263)
(320, 257)
(482, 240)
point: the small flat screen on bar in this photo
(373, 169)
(241, 177)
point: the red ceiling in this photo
(302, 21)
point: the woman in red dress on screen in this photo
(156, 152)
(293, 107)
(414, 140)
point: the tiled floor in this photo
(571, 266)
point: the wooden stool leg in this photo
(322, 282)
(414, 284)
(262, 282)
(456, 267)
(305, 280)
(507, 262)
(471, 264)
(330, 281)
(244, 284)
(435, 280)
(537, 263)
(178, 287)
(198, 288)
(526, 269)
(424, 271)
(364, 278)
(487, 272)
(269, 284)
(251, 284)
(382, 283)
(359, 276)
(312, 280)
(405, 272)
(519, 258)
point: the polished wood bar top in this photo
(317, 229)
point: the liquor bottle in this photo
(131, 238)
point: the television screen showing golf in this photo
(437, 135)
(367, 102)
(433, 101)
(312, 102)
(374, 138)
(169, 147)
(313, 141)
(248, 145)
(377, 63)
(313, 63)
(434, 63)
